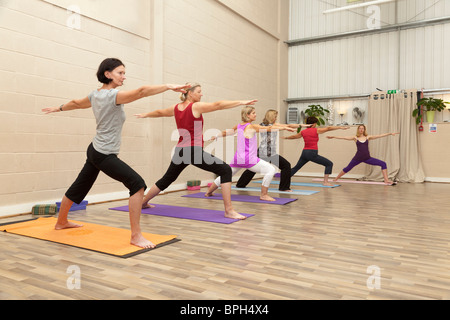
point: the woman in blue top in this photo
(108, 104)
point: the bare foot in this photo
(67, 225)
(209, 194)
(139, 241)
(328, 184)
(389, 182)
(234, 215)
(289, 190)
(267, 198)
(147, 206)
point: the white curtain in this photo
(389, 113)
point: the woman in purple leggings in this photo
(363, 154)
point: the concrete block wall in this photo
(49, 55)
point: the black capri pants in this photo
(112, 166)
(312, 155)
(197, 157)
(276, 160)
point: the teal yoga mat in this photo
(294, 192)
(302, 184)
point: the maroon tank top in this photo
(189, 128)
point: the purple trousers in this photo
(370, 161)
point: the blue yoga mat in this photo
(302, 184)
(294, 192)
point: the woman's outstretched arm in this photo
(124, 97)
(84, 103)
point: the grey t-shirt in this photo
(110, 119)
(268, 142)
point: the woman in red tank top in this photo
(189, 118)
(311, 149)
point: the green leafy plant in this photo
(429, 104)
(317, 111)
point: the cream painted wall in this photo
(45, 63)
(132, 16)
(235, 50)
(435, 150)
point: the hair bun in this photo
(183, 96)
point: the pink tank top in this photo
(311, 138)
(247, 150)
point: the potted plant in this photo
(430, 105)
(318, 112)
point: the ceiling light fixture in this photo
(359, 5)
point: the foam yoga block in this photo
(45, 209)
(194, 185)
(75, 207)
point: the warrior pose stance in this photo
(311, 149)
(189, 118)
(268, 151)
(247, 148)
(107, 104)
(363, 153)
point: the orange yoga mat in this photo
(108, 240)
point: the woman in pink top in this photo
(247, 149)
(311, 149)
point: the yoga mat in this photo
(241, 198)
(294, 192)
(187, 213)
(302, 184)
(103, 239)
(360, 182)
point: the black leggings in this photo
(278, 161)
(112, 166)
(312, 155)
(196, 156)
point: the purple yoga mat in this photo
(241, 198)
(187, 213)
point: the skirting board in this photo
(437, 180)
(25, 208)
(357, 176)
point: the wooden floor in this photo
(319, 247)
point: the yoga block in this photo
(75, 207)
(196, 188)
(194, 183)
(45, 209)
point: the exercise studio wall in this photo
(49, 54)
